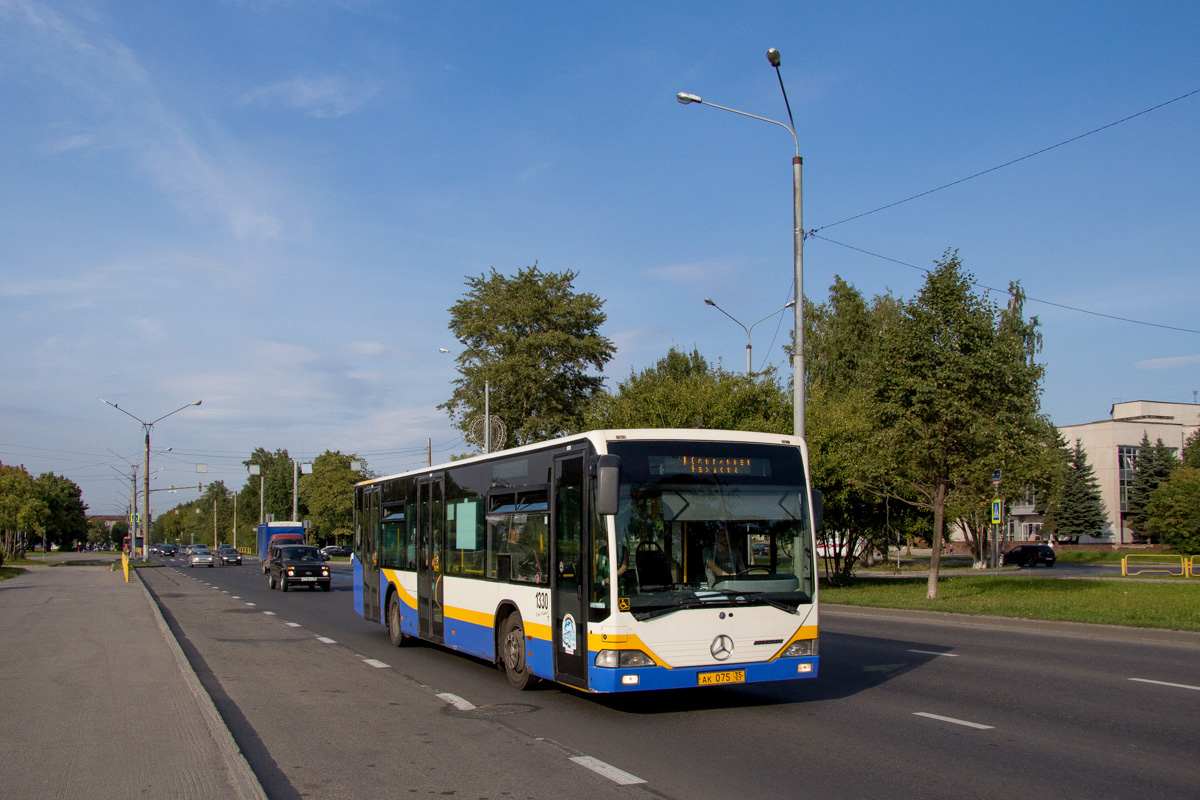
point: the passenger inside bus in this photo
(723, 558)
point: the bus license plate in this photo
(715, 678)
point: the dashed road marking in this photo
(1165, 683)
(617, 776)
(269, 613)
(934, 653)
(293, 624)
(963, 722)
(326, 640)
(457, 702)
(252, 604)
(376, 664)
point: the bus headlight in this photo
(801, 647)
(614, 659)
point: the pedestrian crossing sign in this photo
(997, 508)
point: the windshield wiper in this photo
(708, 597)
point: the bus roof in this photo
(599, 438)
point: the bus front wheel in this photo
(512, 653)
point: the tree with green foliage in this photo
(66, 525)
(276, 479)
(1077, 508)
(956, 390)
(843, 337)
(1172, 516)
(1152, 466)
(328, 494)
(534, 340)
(23, 511)
(683, 390)
(1191, 450)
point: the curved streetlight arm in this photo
(709, 302)
(176, 411)
(686, 99)
(790, 304)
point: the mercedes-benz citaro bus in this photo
(608, 561)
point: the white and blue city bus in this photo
(608, 561)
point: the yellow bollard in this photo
(125, 566)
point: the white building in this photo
(1112, 445)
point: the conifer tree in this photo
(1078, 510)
(1153, 465)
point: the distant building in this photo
(1112, 445)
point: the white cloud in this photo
(1169, 363)
(119, 103)
(323, 97)
(367, 348)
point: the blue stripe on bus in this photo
(601, 679)
(358, 584)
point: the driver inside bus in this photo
(722, 558)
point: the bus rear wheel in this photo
(512, 653)
(395, 633)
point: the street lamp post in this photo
(146, 426)
(487, 400)
(708, 301)
(797, 234)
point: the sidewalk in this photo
(98, 699)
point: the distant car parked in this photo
(337, 550)
(1030, 555)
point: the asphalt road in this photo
(322, 705)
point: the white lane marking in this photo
(456, 701)
(963, 722)
(292, 624)
(1164, 683)
(269, 613)
(224, 591)
(235, 597)
(252, 604)
(932, 653)
(326, 640)
(376, 664)
(618, 776)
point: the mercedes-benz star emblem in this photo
(721, 647)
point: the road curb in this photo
(1087, 630)
(242, 777)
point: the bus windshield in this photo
(711, 523)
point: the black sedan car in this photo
(291, 565)
(227, 555)
(168, 549)
(1029, 555)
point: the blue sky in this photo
(270, 206)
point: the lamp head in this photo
(708, 301)
(773, 57)
(443, 350)
(685, 98)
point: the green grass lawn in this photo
(1173, 605)
(9, 572)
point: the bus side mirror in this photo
(818, 510)
(608, 473)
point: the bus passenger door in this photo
(368, 554)
(430, 558)
(569, 572)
